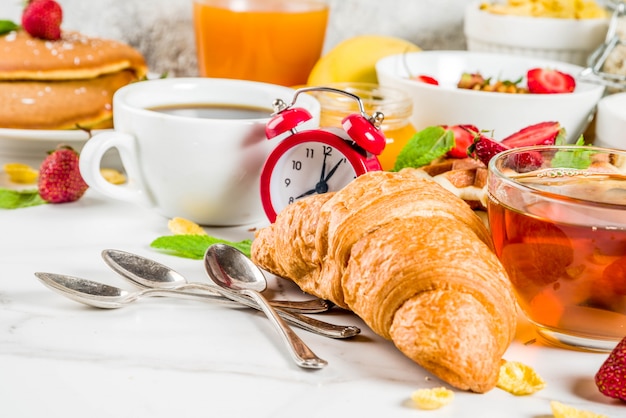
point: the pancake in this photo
(63, 84)
(63, 104)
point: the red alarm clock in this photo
(318, 160)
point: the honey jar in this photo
(394, 104)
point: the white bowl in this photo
(502, 113)
(568, 40)
(611, 122)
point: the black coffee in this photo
(215, 111)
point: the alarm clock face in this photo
(310, 168)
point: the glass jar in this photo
(394, 104)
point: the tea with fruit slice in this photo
(565, 252)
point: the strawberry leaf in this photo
(425, 146)
(194, 246)
(15, 199)
(7, 26)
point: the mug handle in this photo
(90, 159)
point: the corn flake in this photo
(181, 226)
(559, 9)
(519, 379)
(433, 398)
(113, 176)
(560, 410)
(21, 173)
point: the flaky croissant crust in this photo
(409, 258)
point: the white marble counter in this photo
(164, 357)
(178, 358)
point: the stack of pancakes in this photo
(64, 84)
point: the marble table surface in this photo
(164, 357)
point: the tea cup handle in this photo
(89, 162)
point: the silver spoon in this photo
(147, 273)
(102, 295)
(105, 296)
(227, 268)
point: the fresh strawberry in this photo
(485, 148)
(611, 378)
(544, 133)
(426, 79)
(42, 19)
(542, 80)
(463, 138)
(59, 177)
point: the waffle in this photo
(464, 177)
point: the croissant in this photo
(410, 259)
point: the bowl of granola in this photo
(495, 92)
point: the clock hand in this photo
(332, 171)
(307, 193)
(322, 186)
(323, 168)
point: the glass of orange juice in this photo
(272, 41)
(394, 104)
(558, 220)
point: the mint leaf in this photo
(7, 26)
(194, 246)
(579, 159)
(425, 146)
(15, 199)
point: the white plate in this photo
(45, 135)
(31, 146)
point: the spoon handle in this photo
(307, 323)
(300, 352)
(315, 305)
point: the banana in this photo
(354, 59)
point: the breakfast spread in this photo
(418, 271)
(406, 250)
(62, 83)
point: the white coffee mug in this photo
(203, 168)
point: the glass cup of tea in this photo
(272, 41)
(558, 219)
